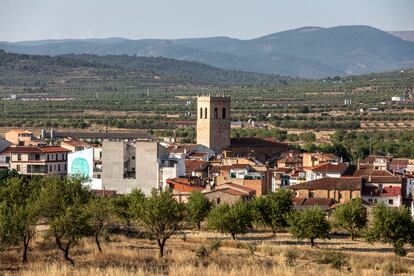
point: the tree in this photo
(391, 225)
(233, 220)
(271, 210)
(351, 216)
(309, 224)
(63, 203)
(198, 208)
(19, 213)
(100, 216)
(161, 215)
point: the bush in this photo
(335, 259)
(202, 252)
(290, 257)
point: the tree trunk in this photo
(352, 235)
(65, 250)
(67, 258)
(161, 244)
(199, 225)
(233, 236)
(27, 237)
(98, 244)
(25, 248)
(312, 242)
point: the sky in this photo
(137, 19)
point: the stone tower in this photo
(213, 122)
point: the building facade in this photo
(213, 122)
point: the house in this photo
(196, 168)
(185, 185)
(243, 175)
(338, 189)
(73, 145)
(291, 160)
(314, 159)
(23, 138)
(391, 196)
(229, 193)
(399, 164)
(34, 160)
(379, 162)
(4, 157)
(326, 170)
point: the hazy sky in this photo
(136, 19)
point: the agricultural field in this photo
(254, 253)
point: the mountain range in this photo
(308, 52)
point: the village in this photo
(224, 169)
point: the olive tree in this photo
(271, 210)
(198, 208)
(162, 216)
(63, 203)
(309, 224)
(233, 220)
(391, 225)
(18, 213)
(351, 216)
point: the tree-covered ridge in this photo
(151, 68)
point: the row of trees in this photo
(72, 213)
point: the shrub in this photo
(335, 259)
(202, 252)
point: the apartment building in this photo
(33, 160)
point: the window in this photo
(218, 200)
(37, 157)
(215, 113)
(50, 168)
(390, 201)
(370, 200)
(19, 157)
(133, 157)
(223, 114)
(375, 200)
(205, 113)
(66, 167)
(59, 167)
(311, 194)
(201, 113)
(57, 156)
(18, 168)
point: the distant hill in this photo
(404, 35)
(149, 70)
(310, 52)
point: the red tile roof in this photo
(195, 165)
(349, 183)
(236, 186)
(35, 149)
(330, 168)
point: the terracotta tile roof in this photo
(370, 171)
(218, 169)
(298, 200)
(384, 179)
(53, 149)
(198, 154)
(400, 162)
(75, 143)
(232, 192)
(370, 159)
(349, 183)
(195, 165)
(283, 170)
(330, 168)
(240, 166)
(35, 149)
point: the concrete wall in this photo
(144, 157)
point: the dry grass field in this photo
(257, 253)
